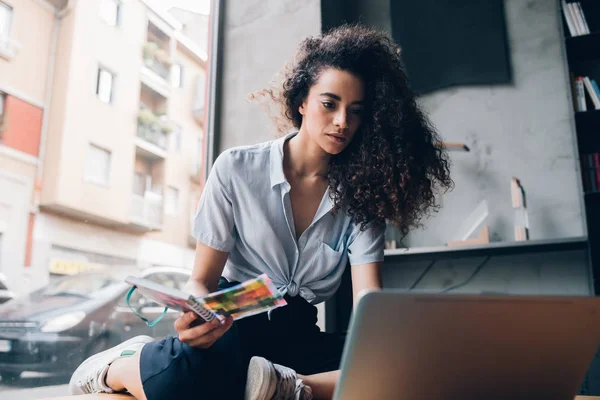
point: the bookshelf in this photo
(583, 59)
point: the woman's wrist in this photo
(196, 288)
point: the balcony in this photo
(147, 211)
(152, 134)
(157, 59)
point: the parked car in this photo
(55, 328)
(5, 294)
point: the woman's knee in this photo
(170, 368)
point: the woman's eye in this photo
(356, 111)
(327, 104)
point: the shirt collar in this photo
(276, 167)
(278, 176)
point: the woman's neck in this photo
(304, 158)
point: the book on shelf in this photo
(590, 172)
(575, 18)
(580, 85)
(592, 92)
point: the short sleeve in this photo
(366, 246)
(214, 223)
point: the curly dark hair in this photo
(391, 168)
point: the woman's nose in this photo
(341, 120)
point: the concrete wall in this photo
(259, 36)
(523, 130)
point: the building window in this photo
(109, 11)
(104, 86)
(175, 139)
(97, 165)
(172, 201)
(177, 75)
(5, 22)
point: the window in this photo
(177, 75)
(175, 139)
(97, 165)
(109, 11)
(5, 22)
(104, 87)
(172, 201)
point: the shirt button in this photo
(296, 251)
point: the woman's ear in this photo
(301, 109)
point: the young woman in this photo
(298, 209)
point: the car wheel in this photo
(10, 376)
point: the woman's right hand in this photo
(202, 335)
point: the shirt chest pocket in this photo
(324, 262)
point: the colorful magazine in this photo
(243, 300)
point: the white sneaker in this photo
(268, 381)
(90, 376)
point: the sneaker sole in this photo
(119, 348)
(260, 376)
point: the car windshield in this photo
(85, 286)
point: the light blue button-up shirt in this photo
(245, 210)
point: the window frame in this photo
(93, 179)
(179, 83)
(117, 21)
(10, 20)
(102, 68)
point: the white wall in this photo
(524, 129)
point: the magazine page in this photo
(248, 298)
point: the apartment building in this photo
(102, 137)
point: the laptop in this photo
(458, 346)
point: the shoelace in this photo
(90, 383)
(286, 383)
(303, 392)
(87, 385)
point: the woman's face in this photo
(332, 111)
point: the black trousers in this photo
(289, 336)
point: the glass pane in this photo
(176, 71)
(83, 180)
(105, 80)
(5, 19)
(97, 165)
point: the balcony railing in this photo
(157, 59)
(148, 209)
(154, 128)
(153, 135)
